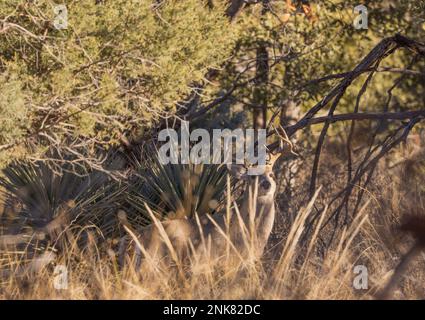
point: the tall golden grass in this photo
(93, 272)
(291, 268)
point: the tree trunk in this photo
(259, 111)
(234, 8)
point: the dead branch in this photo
(376, 150)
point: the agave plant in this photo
(174, 190)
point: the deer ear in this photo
(239, 171)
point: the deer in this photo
(212, 234)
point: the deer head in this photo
(265, 180)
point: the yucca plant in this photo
(44, 194)
(174, 190)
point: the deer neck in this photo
(265, 216)
(264, 213)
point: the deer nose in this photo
(265, 185)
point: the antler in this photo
(285, 145)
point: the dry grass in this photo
(292, 268)
(94, 273)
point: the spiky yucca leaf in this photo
(175, 190)
(43, 193)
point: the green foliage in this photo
(122, 65)
(119, 65)
(13, 109)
